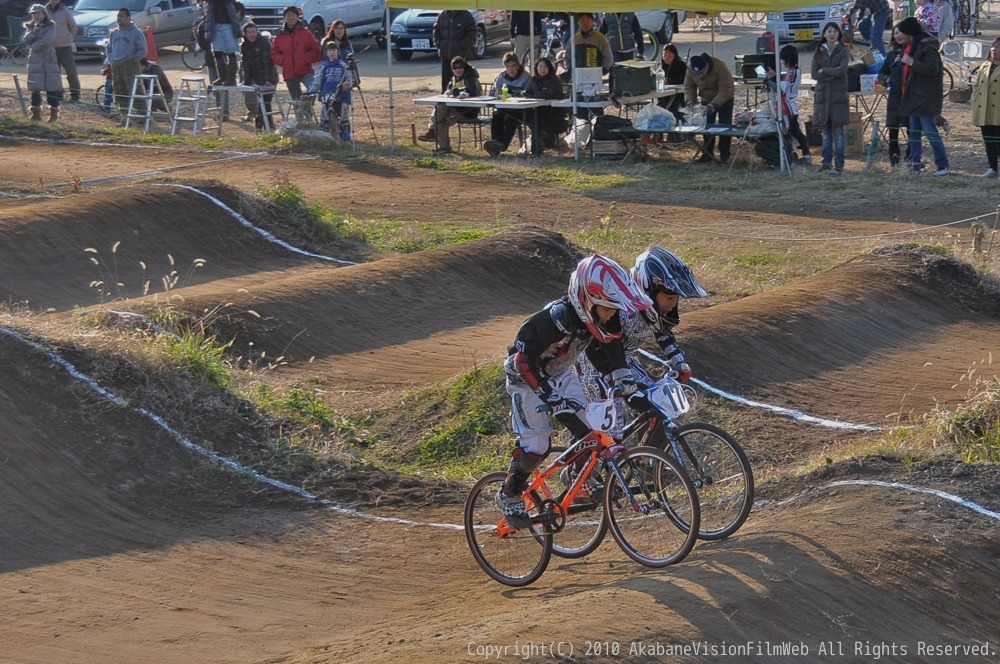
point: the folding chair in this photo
(14, 52)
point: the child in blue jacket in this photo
(333, 86)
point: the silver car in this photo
(171, 20)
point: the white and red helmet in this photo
(601, 281)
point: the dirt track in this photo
(119, 545)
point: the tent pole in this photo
(572, 88)
(388, 59)
(712, 20)
(531, 38)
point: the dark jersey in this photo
(550, 342)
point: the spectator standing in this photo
(986, 106)
(624, 35)
(43, 65)
(333, 86)
(454, 34)
(946, 26)
(520, 31)
(790, 82)
(831, 106)
(928, 16)
(223, 25)
(592, 48)
(505, 122)
(880, 13)
(675, 72)
(923, 77)
(126, 48)
(66, 28)
(891, 77)
(708, 79)
(154, 69)
(338, 33)
(258, 70)
(295, 50)
(464, 83)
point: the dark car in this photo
(412, 31)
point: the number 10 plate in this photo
(426, 43)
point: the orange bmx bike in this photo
(646, 500)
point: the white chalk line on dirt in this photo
(305, 495)
(213, 456)
(260, 231)
(795, 414)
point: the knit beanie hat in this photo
(699, 63)
(910, 26)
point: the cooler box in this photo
(746, 65)
(633, 77)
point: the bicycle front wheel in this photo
(722, 475)
(585, 525)
(661, 527)
(727, 17)
(650, 46)
(193, 57)
(513, 557)
(963, 17)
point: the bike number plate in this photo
(804, 35)
(422, 43)
(601, 415)
(669, 396)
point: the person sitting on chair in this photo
(505, 122)
(551, 121)
(464, 83)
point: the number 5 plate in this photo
(601, 415)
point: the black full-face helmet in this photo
(660, 271)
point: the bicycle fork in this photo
(616, 469)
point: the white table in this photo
(490, 101)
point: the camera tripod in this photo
(353, 65)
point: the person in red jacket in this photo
(295, 50)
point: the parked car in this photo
(171, 20)
(658, 27)
(412, 31)
(362, 17)
(805, 24)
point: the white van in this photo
(805, 24)
(362, 17)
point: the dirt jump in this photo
(122, 542)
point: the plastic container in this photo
(504, 93)
(661, 80)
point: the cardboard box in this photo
(854, 137)
(608, 148)
(868, 83)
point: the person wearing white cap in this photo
(43, 66)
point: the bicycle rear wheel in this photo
(193, 57)
(727, 17)
(948, 81)
(585, 525)
(514, 558)
(651, 47)
(664, 528)
(722, 475)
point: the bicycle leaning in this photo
(641, 495)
